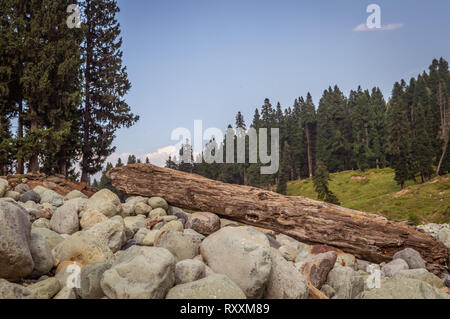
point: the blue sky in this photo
(206, 60)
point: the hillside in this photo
(375, 191)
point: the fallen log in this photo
(367, 236)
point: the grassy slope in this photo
(376, 191)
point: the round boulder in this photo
(140, 273)
(105, 202)
(16, 261)
(204, 223)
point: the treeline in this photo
(63, 88)
(410, 133)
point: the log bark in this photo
(367, 236)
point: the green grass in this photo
(375, 191)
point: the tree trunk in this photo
(20, 161)
(308, 142)
(367, 236)
(86, 149)
(34, 159)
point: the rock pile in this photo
(75, 247)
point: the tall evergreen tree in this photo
(399, 135)
(308, 123)
(320, 180)
(106, 83)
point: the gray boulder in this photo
(140, 273)
(241, 248)
(105, 202)
(45, 289)
(42, 255)
(404, 288)
(346, 283)
(3, 186)
(158, 202)
(9, 290)
(65, 220)
(16, 261)
(90, 279)
(74, 194)
(41, 223)
(52, 197)
(285, 282)
(412, 258)
(182, 246)
(52, 238)
(21, 188)
(423, 275)
(189, 270)
(66, 294)
(13, 195)
(30, 196)
(134, 223)
(109, 233)
(391, 268)
(216, 286)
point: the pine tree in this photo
(131, 159)
(308, 123)
(51, 86)
(119, 163)
(106, 84)
(147, 161)
(399, 135)
(320, 180)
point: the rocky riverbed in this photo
(72, 246)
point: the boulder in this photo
(181, 246)
(189, 270)
(74, 194)
(82, 248)
(30, 196)
(91, 218)
(9, 290)
(41, 223)
(444, 236)
(16, 261)
(52, 198)
(204, 223)
(45, 289)
(391, 268)
(140, 273)
(316, 268)
(40, 189)
(135, 223)
(179, 213)
(52, 238)
(285, 282)
(158, 202)
(140, 236)
(412, 258)
(105, 202)
(66, 294)
(42, 255)
(157, 212)
(288, 252)
(423, 275)
(173, 225)
(12, 195)
(65, 219)
(150, 237)
(216, 286)
(128, 210)
(142, 209)
(3, 187)
(21, 188)
(404, 288)
(109, 233)
(346, 283)
(90, 280)
(241, 248)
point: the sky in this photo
(206, 60)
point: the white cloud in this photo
(389, 27)
(159, 157)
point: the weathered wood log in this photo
(367, 236)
